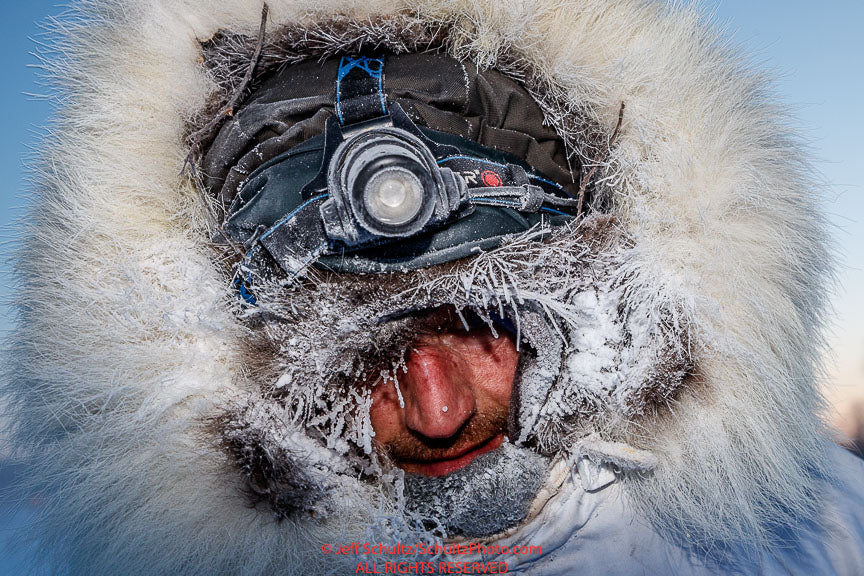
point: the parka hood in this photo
(670, 335)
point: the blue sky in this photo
(814, 49)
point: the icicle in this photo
(518, 329)
(462, 318)
(398, 392)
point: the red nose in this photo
(437, 391)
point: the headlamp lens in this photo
(393, 196)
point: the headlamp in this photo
(385, 183)
(383, 186)
(393, 198)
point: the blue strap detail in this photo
(359, 85)
(244, 293)
(239, 281)
(291, 215)
(555, 184)
(374, 67)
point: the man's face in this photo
(334, 341)
(456, 386)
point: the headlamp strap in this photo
(298, 239)
(360, 89)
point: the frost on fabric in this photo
(318, 345)
(227, 54)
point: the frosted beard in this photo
(491, 494)
(591, 351)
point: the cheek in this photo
(492, 362)
(499, 371)
(385, 414)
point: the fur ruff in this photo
(128, 345)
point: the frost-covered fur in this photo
(128, 345)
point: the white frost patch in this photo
(612, 352)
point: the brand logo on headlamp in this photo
(491, 179)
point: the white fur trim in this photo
(125, 341)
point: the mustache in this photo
(481, 427)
